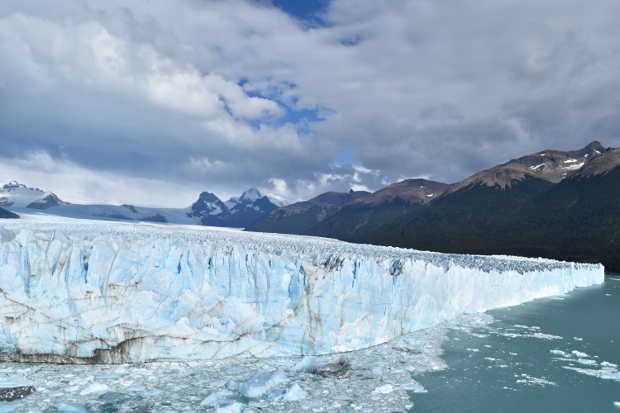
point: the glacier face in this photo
(89, 291)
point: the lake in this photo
(552, 355)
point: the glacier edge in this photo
(102, 292)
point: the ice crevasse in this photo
(102, 292)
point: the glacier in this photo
(78, 291)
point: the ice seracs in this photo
(91, 291)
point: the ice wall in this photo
(93, 291)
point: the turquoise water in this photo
(519, 362)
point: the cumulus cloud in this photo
(223, 95)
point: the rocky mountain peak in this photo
(15, 186)
(548, 165)
(413, 191)
(595, 146)
(17, 195)
(251, 195)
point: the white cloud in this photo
(194, 94)
(73, 183)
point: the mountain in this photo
(576, 219)
(337, 215)
(16, 195)
(249, 208)
(7, 214)
(556, 204)
(207, 210)
(300, 217)
(236, 212)
(412, 191)
(549, 165)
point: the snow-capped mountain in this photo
(207, 210)
(16, 195)
(236, 212)
(7, 214)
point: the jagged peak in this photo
(208, 197)
(595, 146)
(15, 185)
(251, 194)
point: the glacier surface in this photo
(76, 291)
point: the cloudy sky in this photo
(152, 101)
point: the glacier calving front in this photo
(88, 291)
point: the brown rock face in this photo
(549, 165)
(411, 190)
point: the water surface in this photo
(552, 355)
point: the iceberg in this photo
(78, 291)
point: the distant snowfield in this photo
(85, 291)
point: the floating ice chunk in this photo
(559, 353)
(294, 393)
(414, 386)
(534, 381)
(306, 364)
(68, 408)
(617, 404)
(7, 382)
(108, 376)
(95, 388)
(232, 408)
(578, 338)
(220, 398)
(606, 372)
(262, 383)
(9, 407)
(579, 354)
(385, 389)
(537, 335)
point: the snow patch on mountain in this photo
(16, 195)
(207, 210)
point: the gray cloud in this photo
(195, 96)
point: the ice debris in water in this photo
(534, 381)
(523, 331)
(379, 379)
(14, 387)
(385, 389)
(261, 384)
(605, 370)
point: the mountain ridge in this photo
(208, 209)
(532, 205)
